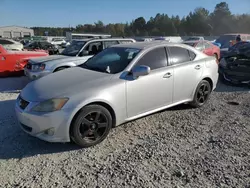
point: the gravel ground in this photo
(178, 147)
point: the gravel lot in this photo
(179, 147)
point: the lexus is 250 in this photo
(119, 84)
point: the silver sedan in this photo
(119, 84)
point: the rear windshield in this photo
(190, 43)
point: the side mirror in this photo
(140, 70)
(83, 53)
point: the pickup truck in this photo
(13, 62)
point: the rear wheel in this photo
(91, 126)
(202, 94)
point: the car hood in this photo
(64, 84)
(59, 58)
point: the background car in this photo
(58, 41)
(232, 49)
(42, 45)
(206, 47)
(119, 84)
(75, 54)
(234, 68)
(195, 38)
(10, 44)
(13, 62)
(228, 40)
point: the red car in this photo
(13, 62)
(206, 47)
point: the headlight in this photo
(38, 67)
(50, 105)
(223, 62)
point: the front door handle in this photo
(2, 58)
(167, 75)
(197, 67)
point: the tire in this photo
(203, 90)
(89, 129)
(60, 69)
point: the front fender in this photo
(85, 103)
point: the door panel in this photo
(187, 73)
(6, 64)
(150, 92)
(186, 78)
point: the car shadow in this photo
(12, 84)
(222, 87)
(16, 144)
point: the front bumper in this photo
(50, 127)
(35, 75)
(234, 77)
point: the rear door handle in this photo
(197, 67)
(2, 58)
(167, 75)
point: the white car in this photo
(10, 44)
(75, 54)
(57, 41)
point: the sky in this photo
(65, 13)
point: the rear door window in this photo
(125, 41)
(110, 43)
(179, 55)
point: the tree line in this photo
(197, 22)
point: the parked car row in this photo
(49, 48)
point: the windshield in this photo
(111, 60)
(224, 40)
(73, 49)
(193, 44)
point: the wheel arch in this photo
(210, 82)
(98, 102)
(207, 79)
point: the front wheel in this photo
(91, 126)
(202, 94)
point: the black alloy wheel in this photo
(202, 94)
(91, 126)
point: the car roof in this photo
(147, 45)
(103, 39)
